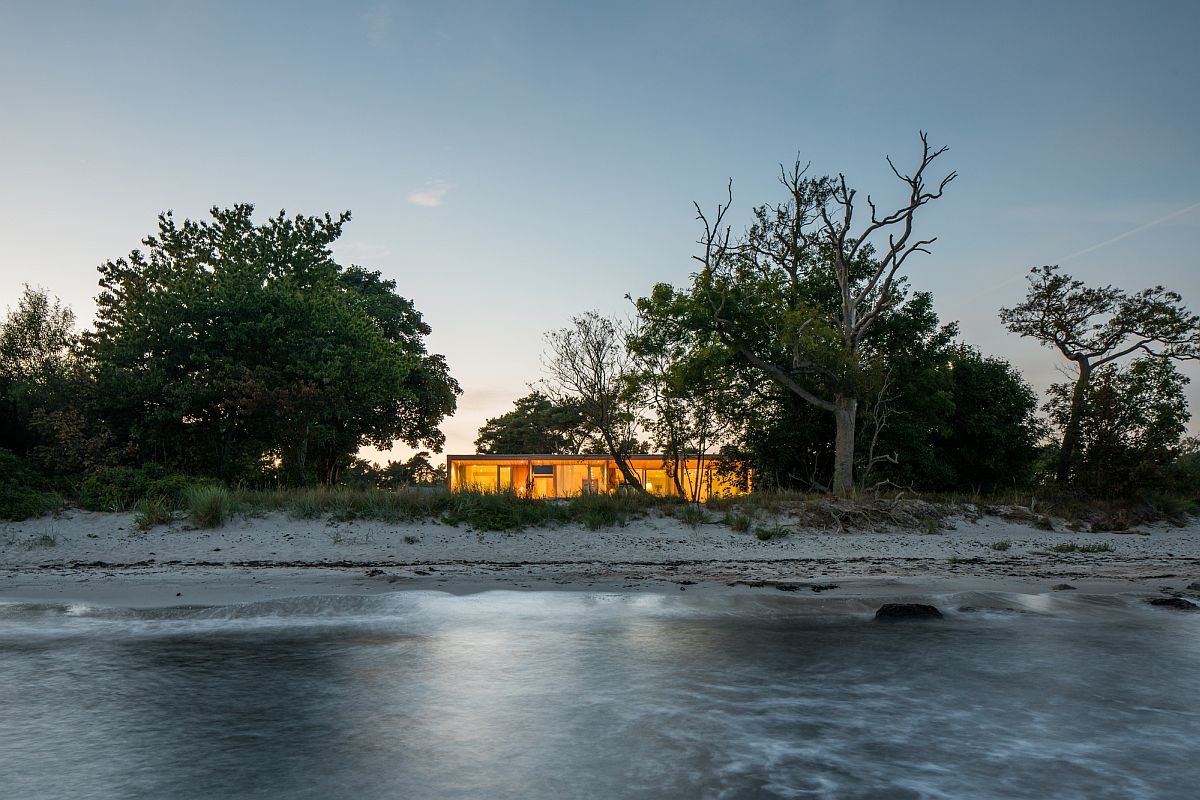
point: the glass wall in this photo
(563, 476)
(575, 479)
(485, 477)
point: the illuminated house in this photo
(567, 476)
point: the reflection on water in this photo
(558, 695)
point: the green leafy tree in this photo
(1131, 423)
(907, 395)
(46, 390)
(536, 424)
(228, 348)
(418, 470)
(759, 288)
(682, 377)
(1092, 327)
(990, 438)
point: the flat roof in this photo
(550, 456)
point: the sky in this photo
(512, 164)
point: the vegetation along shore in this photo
(235, 371)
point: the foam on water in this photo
(550, 695)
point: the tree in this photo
(536, 424)
(42, 382)
(589, 366)
(755, 287)
(228, 347)
(1131, 422)
(1092, 327)
(989, 439)
(418, 470)
(680, 373)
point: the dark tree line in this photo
(798, 353)
(229, 349)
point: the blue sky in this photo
(511, 164)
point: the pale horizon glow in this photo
(511, 166)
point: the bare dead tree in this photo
(814, 229)
(864, 301)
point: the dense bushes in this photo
(22, 493)
(121, 488)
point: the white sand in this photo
(103, 558)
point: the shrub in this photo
(120, 488)
(21, 495)
(738, 522)
(692, 516)
(18, 502)
(306, 505)
(773, 532)
(597, 511)
(152, 511)
(720, 502)
(208, 505)
(503, 511)
(117, 488)
(1002, 545)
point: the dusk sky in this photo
(513, 164)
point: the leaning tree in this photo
(589, 367)
(797, 295)
(1092, 327)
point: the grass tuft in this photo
(208, 505)
(151, 512)
(692, 516)
(739, 523)
(773, 532)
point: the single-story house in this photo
(542, 475)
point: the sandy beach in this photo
(103, 558)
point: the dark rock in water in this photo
(823, 587)
(374, 573)
(1194, 586)
(1061, 587)
(788, 587)
(892, 611)
(1177, 603)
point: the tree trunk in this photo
(622, 464)
(845, 415)
(1070, 442)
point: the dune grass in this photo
(208, 505)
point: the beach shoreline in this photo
(103, 558)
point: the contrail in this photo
(1133, 232)
(1092, 249)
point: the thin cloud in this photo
(432, 196)
(379, 23)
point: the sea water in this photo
(574, 695)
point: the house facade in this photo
(542, 475)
